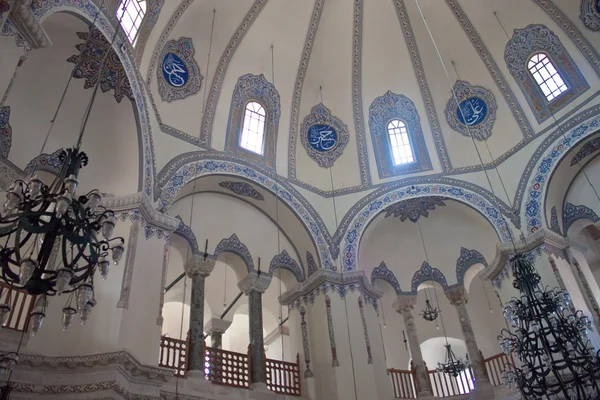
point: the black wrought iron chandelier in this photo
(453, 365)
(429, 313)
(556, 358)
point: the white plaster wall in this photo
(280, 349)
(8, 62)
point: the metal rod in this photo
(284, 321)
(231, 304)
(180, 277)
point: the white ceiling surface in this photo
(386, 65)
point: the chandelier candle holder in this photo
(54, 241)
(453, 365)
(429, 313)
(556, 358)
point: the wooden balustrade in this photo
(173, 355)
(445, 385)
(227, 368)
(495, 365)
(284, 377)
(403, 382)
(21, 304)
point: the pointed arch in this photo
(283, 260)
(466, 260)
(235, 246)
(383, 273)
(427, 273)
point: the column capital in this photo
(457, 295)
(216, 325)
(254, 281)
(199, 265)
(404, 303)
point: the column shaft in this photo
(256, 337)
(472, 348)
(196, 340)
(415, 351)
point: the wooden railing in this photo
(403, 382)
(445, 385)
(173, 355)
(21, 304)
(495, 365)
(284, 377)
(227, 368)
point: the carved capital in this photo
(457, 295)
(217, 325)
(198, 265)
(255, 282)
(404, 303)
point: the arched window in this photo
(133, 13)
(546, 76)
(400, 143)
(253, 128)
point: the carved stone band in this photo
(198, 265)
(404, 303)
(255, 282)
(457, 295)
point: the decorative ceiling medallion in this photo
(90, 59)
(475, 113)
(323, 135)
(5, 132)
(179, 75)
(590, 14)
(242, 189)
(414, 208)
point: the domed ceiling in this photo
(356, 64)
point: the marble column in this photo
(216, 327)
(404, 305)
(458, 298)
(197, 268)
(254, 285)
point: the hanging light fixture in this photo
(452, 365)
(429, 313)
(52, 240)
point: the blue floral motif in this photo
(284, 261)
(586, 150)
(233, 245)
(467, 259)
(382, 272)
(242, 189)
(554, 225)
(427, 273)
(312, 265)
(45, 162)
(572, 213)
(590, 14)
(330, 287)
(179, 76)
(323, 135)
(186, 233)
(476, 113)
(414, 208)
(5, 132)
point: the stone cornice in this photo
(27, 24)
(121, 359)
(327, 276)
(255, 281)
(140, 201)
(542, 236)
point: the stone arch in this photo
(536, 190)
(189, 166)
(283, 260)
(235, 246)
(466, 260)
(362, 213)
(427, 273)
(382, 273)
(185, 232)
(88, 10)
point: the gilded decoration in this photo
(179, 75)
(90, 59)
(323, 136)
(473, 112)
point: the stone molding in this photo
(457, 295)
(404, 303)
(140, 201)
(327, 276)
(28, 25)
(216, 325)
(200, 265)
(275, 334)
(542, 236)
(255, 282)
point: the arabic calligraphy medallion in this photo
(323, 136)
(174, 70)
(179, 74)
(475, 113)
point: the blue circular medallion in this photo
(174, 70)
(472, 111)
(597, 6)
(322, 137)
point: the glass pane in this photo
(253, 128)
(547, 77)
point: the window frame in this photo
(138, 29)
(391, 146)
(539, 85)
(264, 126)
